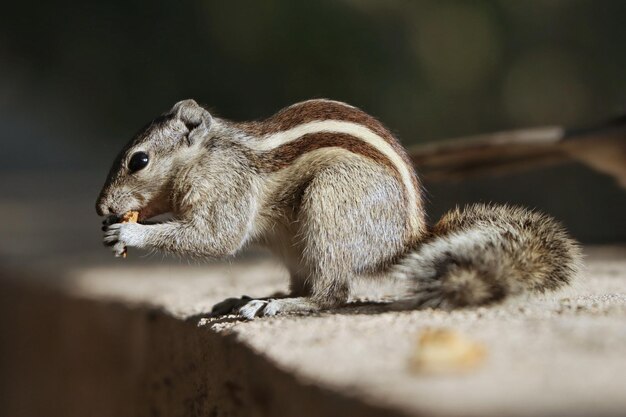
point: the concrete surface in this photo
(114, 340)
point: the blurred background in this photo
(79, 78)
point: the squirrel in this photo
(329, 190)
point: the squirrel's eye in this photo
(138, 161)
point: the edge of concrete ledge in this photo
(72, 356)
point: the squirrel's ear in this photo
(195, 117)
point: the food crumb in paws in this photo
(445, 350)
(129, 217)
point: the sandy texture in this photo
(563, 354)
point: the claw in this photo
(119, 250)
(112, 219)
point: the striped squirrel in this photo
(333, 194)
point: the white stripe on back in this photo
(325, 100)
(358, 131)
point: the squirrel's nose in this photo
(102, 210)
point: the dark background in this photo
(78, 79)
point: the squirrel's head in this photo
(142, 173)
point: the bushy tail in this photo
(483, 253)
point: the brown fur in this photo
(314, 110)
(285, 155)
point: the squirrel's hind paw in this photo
(272, 307)
(250, 308)
(255, 308)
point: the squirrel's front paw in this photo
(120, 235)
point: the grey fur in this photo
(332, 217)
